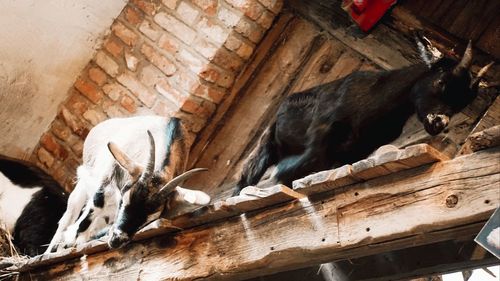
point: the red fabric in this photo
(366, 13)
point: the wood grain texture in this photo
(375, 166)
(387, 213)
(481, 140)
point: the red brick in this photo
(254, 10)
(176, 27)
(172, 94)
(245, 51)
(168, 44)
(208, 6)
(184, 80)
(89, 90)
(113, 47)
(126, 35)
(239, 4)
(209, 93)
(164, 108)
(77, 148)
(212, 31)
(150, 75)
(198, 107)
(129, 104)
(206, 49)
(114, 91)
(226, 80)
(171, 4)
(193, 123)
(160, 61)
(107, 64)
(77, 103)
(45, 157)
(273, 5)
(50, 144)
(140, 91)
(77, 126)
(256, 35)
(266, 20)
(131, 61)
(61, 131)
(228, 60)
(97, 75)
(229, 17)
(147, 6)
(209, 74)
(232, 43)
(112, 110)
(94, 116)
(149, 30)
(133, 16)
(187, 13)
(193, 62)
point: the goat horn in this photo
(167, 188)
(475, 82)
(148, 172)
(124, 161)
(466, 61)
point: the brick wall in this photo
(170, 57)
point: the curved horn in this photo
(475, 82)
(124, 161)
(148, 171)
(466, 61)
(169, 187)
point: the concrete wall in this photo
(43, 47)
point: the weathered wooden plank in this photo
(376, 166)
(253, 198)
(383, 214)
(413, 262)
(256, 103)
(481, 140)
(489, 39)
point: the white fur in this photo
(130, 135)
(13, 200)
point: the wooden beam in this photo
(432, 203)
(382, 164)
(481, 140)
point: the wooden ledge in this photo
(423, 205)
(385, 163)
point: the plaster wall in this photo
(43, 47)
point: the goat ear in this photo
(428, 53)
(172, 184)
(124, 161)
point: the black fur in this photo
(173, 133)
(85, 223)
(345, 120)
(99, 198)
(38, 221)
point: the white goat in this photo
(113, 191)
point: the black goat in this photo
(31, 203)
(345, 120)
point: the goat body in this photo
(345, 120)
(113, 191)
(30, 203)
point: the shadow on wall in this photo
(17, 98)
